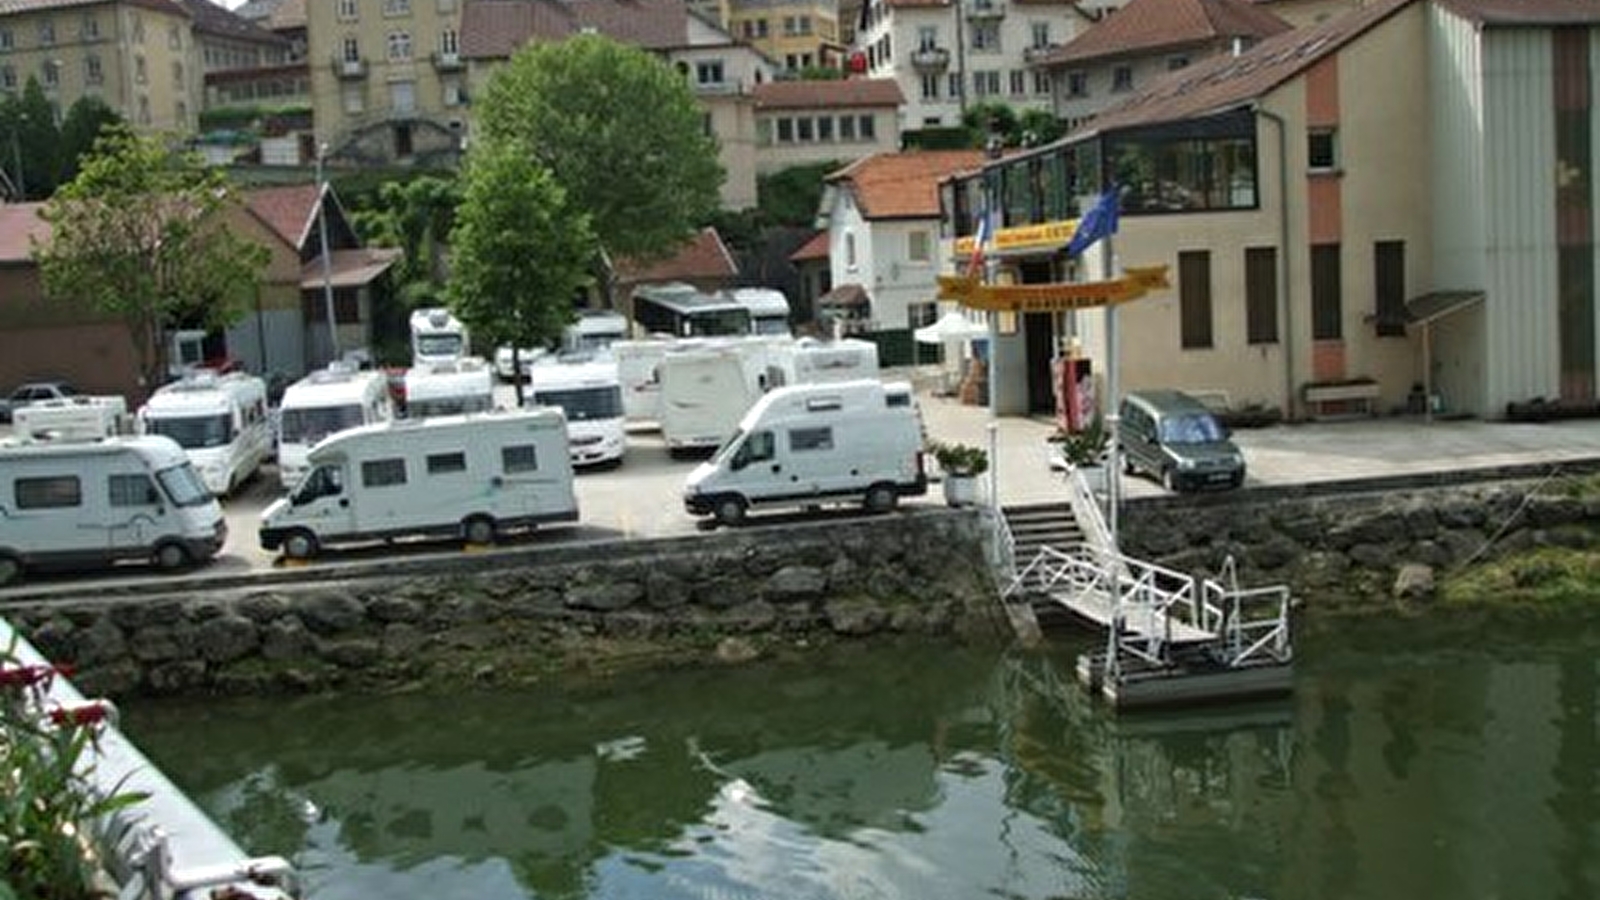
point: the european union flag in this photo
(1100, 221)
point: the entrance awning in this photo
(1435, 305)
(349, 268)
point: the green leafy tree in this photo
(984, 120)
(1038, 127)
(142, 234)
(791, 196)
(31, 149)
(519, 251)
(414, 215)
(85, 120)
(621, 132)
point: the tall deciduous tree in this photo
(142, 233)
(86, 119)
(519, 252)
(620, 130)
(414, 215)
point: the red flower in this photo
(93, 713)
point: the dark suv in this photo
(33, 392)
(1177, 440)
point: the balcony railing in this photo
(448, 62)
(728, 88)
(931, 59)
(986, 9)
(349, 68)
(1031, 55)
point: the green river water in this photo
(1409, 763)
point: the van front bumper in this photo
(699, 504)
(207, 547)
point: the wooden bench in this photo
(1356, 398)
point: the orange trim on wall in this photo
(1322, 93)
(1327, 360)
(1324, 209)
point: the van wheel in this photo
(170, 556)
(730, 510)
(478, 530)
(10, 569)
(880, 498)
(300, 544)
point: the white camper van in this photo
(594, 330)
(219, 420)
(436, 336)
(769, 310)
(473, 475)
(72, 418)
(78, 502)
(326, 401)
(449, 388)
(810, 361)
(806, 445)
(705, 389)
(586, 388)
(639, 371)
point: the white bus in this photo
(68, 502)
(449, 388)
(594, 330)
(587, 389)
(474, 475)
(769, 310)
(436, 336)
(219, 420)
(682, 310)
(322, 403)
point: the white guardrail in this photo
(163, 847)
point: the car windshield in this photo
(1198, 429)
(193, 432)
(183, 486)
(439, 344)
(309, 424)
(583, 404)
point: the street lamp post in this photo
(327, 266)
(16, 155)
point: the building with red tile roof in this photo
(704, 262)
(809, 122)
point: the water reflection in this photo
(1396, 770)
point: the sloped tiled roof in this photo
(903, 185)
(1514, 13)
(1149, 26)
(18, 223)
(11, 7)
(704, 257)
(815, 248)
(1223, 82)
(288, 210)
(848, 93)
(211, 18)
(495, 29)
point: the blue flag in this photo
(1100, 221)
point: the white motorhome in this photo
(639, 370)
(72, 418)
(810, 361)
(769, 310)
(220, 421)
(436, 336)
(594, 330)
(705, 389)
(326, 401)
(449, 388)
(473, 475)
(808, 445)
(79, 502)
(587, 389)
(505, 367)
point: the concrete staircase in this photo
(1038, 525)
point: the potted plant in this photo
(1085, 450)
(961, 465)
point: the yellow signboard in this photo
(1135, 283)
(1047, 236)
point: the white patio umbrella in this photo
(952, 327)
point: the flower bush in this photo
(1086, 447)
(959, 459)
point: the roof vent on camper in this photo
(438, 318)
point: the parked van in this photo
(78, 417)
(594, 330)
(810, 361)
(473, 475)
(81, 502)
(436, 336)
(806, 445)
(587, 390)
(1177, 440)
(449, 387)
(705, 390)
(219, 420)
(769, 310)
(639, 371)
(326, 401)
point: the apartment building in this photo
(242, 62)
(138, 56)
(388, 80)
(796, 34)
(1144, 41)
(949, 54)
(808, 122)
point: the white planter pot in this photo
(1094, 477)
(960, 490)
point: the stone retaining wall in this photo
(528, 613)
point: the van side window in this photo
(54, 492)
(444, 463)
(383, 472)
(894, 400)
(133, 490)
(802, 439)
(520, 458)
